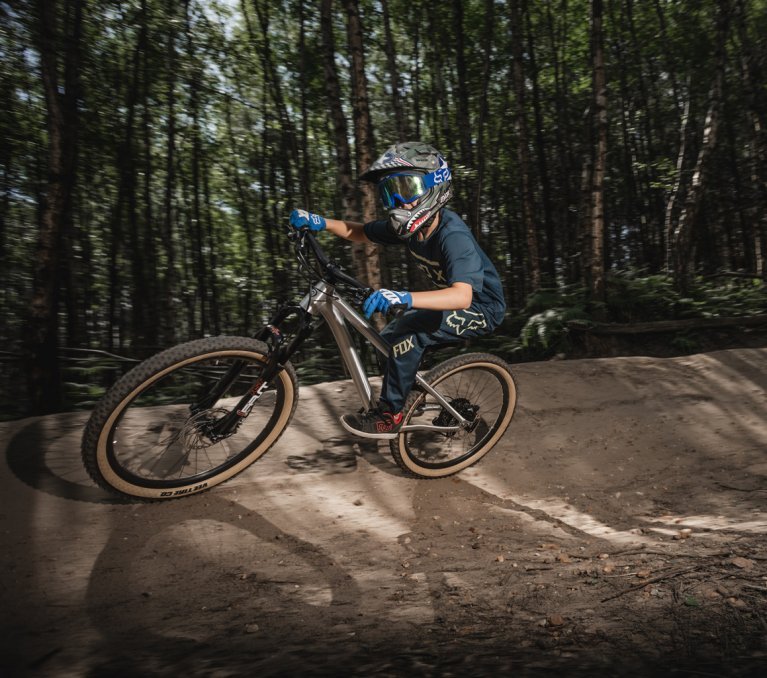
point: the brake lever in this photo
(361, 294)
(300, 238)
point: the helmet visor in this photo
(401, 189)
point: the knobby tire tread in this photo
(142, 372)
(437, 373)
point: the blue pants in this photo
(410, 335)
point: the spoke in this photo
(157, 439)
(475, 387)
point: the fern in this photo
(632, 296)
(547, 331)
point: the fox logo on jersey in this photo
(462, 321)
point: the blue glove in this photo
(382, 300)
(304, 219)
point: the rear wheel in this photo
(481, 388)
(153, 435)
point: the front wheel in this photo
(480, 387)
(154, 434)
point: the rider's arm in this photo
(350, 230)
(454, 298)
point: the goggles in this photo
(402, 189)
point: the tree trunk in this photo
(152, 300)
(487, 51)
(682, 238)
(44, 379)
(275, 85)
(334, 99)
(677, 188)
(139, 292)
(400, 120)
(211, 263)
(631, 219)
(597, 262)
(462, 108)
(540, 145)
(197, 238)
(416, 76)
(523, 148)
(758, 141)
(244, 210)
(366, 254)
(439, 104)
(302, 59)
(266, 174)
(651, 98)
(566, 215)
(170, 279)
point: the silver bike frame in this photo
(323, 300)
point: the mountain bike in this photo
(201, 412)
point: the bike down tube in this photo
(321, 300)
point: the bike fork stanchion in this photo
(276, 358)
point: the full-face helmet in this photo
(414, 183)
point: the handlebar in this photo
(331, 271)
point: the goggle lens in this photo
(401, 189)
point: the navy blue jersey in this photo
(451, 255)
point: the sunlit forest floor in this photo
(619, 527)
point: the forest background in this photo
(610, 156)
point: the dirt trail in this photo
(619, 526)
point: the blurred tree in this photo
(58, 32)
(151, 150)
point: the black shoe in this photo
(375, 423)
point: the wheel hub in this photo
(464, 408)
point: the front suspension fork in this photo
(278, 354)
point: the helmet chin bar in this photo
(407, 223)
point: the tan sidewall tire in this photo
(116, 482)
(399, 448)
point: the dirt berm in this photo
(617, 529)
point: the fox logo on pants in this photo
(461, 321)
(404, 346)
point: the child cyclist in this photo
(414, 184)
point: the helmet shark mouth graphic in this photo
(417, 220)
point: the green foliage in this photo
(202, 123)
(547, 311)
(685, 342)
(548, 330)
(729, 297)
(633, 298)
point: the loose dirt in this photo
(619, 527)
